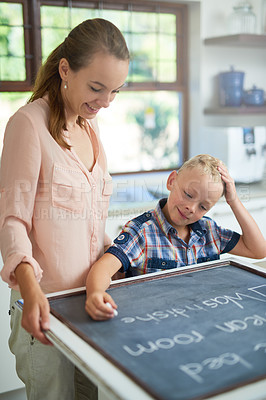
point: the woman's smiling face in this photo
(192, 195)
(92, 87)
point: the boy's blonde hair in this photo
(207, 165)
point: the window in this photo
(148, 117)
(12, 65)
(145, 124)
(20, 45)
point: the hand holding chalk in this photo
(114, 310)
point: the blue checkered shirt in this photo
(148, 243)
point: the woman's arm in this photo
(98, 280)
(35, 316)
(20, 169)
(251, 243)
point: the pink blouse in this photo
(52, 209)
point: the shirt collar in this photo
(197, 227)
(162, 221)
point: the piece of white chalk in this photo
(114, 310)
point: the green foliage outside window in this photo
(146, 126)
(151, 38)
(146, 122)
(12, 54)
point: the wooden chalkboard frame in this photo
(149, 277)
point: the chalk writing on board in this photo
(259, 289)
(165, 343)
(238, 299)
(260, 346)
(213, 363)
(185, 336)
(241, 325)
(193, 337)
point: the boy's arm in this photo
(251, 243)
(98, 280)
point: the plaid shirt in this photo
(148, 243)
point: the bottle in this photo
(242, 19)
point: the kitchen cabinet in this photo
(223, 215)
(239, 41)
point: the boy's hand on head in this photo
(230, 189)
(96, 306)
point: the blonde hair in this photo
(207, 164)
(80, 46)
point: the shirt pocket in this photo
(107, 186)
(160, 264)
(69, 186)
(212, 257)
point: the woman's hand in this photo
(97, 308)
(36, 309)
(230, 189)
(35, 316)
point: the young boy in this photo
(176, 233)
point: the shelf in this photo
(240, 40)
(243, 110)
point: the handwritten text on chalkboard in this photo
(194, 370)
(237, 299)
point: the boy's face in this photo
(192, 195)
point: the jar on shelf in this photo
(242, 19)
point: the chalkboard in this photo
(181, 336)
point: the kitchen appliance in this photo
(242, 149)
(231, 87)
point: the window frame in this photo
(33, 46)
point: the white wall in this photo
(209, 18)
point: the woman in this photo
(55, 192)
